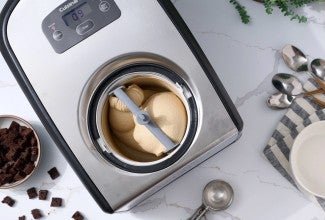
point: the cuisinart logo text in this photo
(69, 5)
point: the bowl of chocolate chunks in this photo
(20, 151)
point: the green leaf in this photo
(241, 11)
(287, 8)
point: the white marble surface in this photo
(245, 58)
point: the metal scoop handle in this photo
(199, 213)
(143, 118)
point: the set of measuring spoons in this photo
(289, 86)
(217, 194)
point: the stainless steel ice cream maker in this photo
(123, 88)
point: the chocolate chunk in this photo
(19, 176)
(9, 201)
(29, 168)
(18, 164)
(6, 178)
(3, 131)
(18, 147)
(26, 133)
(32, 193)
(42, 194)
(12, 171)
(23, 143)
(26, 155)
(33, 141)
(34, 154)
(12, 154)
(2, 153)
(34, 150)
(77, 216)
(22, 218)
(56, 202)
(36, 213)
(14, 127)
(33, 158)
(54, 173)
(6, 168)
(21, 128)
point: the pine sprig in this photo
(242, 11)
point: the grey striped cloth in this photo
(301, 113)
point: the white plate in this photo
(307, 159)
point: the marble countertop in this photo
(245, 58)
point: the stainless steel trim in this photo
(120, 82)
(234, 135)
(111, 66)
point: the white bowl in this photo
(307, 159)
(5, 121)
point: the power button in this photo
(104, 6)
(57, 35)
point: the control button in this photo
(57, 35)
(84, 27)
(104, 6)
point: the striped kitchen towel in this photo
(301, 113)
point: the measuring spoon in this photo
(318, 71)
(294, 58)
(281, 101)
(291, 85)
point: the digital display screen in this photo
(75, 16)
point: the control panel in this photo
(75, 20)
